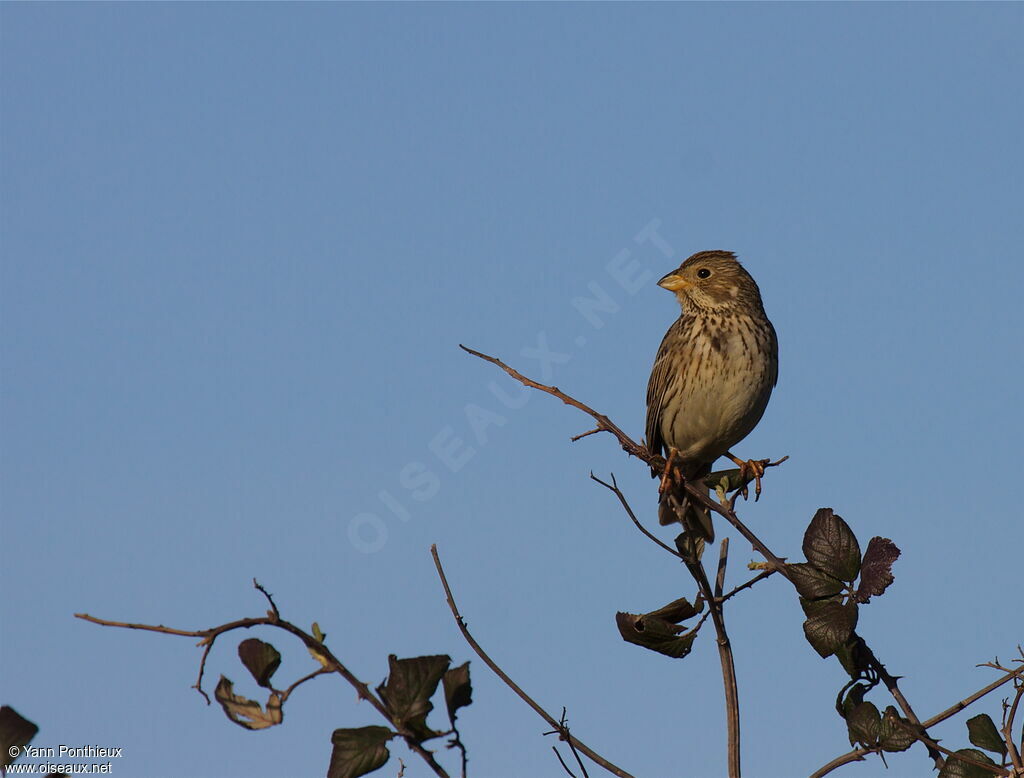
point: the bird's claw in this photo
(751, 470)
(666, 475)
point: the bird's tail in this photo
(677, 506)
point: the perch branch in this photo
(641, 452)
(604, 424)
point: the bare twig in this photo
(757, 578)
(564, 726)
(287, 692)
(1007, 730)
(614, 487)
(273, 606)
(562, 762)
(563, 733)
(456, 742)
(857, 755)
(604, 424)
(723, 560)
(954, 709)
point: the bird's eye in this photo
(703, 273)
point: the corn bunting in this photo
(712, 377)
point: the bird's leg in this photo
(750, 468)
(666, 475)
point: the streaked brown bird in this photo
(712, 377)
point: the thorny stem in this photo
(858, 754)
(563, 731)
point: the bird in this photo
(711, 380)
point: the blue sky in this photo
(242, 242)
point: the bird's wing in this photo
(662, 374)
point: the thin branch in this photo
(723, 560)
(564, 734)
(287, 692)
(757, 578)
(198, 633)
(954, 709)
(604, 424)
(614, 487)
(273, 606)
(564, 725)
(857, 755)
(1008, 729)
(562, 762)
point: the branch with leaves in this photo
(403, 699)
(834, 582)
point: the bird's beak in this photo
(674, 283)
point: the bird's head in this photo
(712, 281)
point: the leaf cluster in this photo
(405, 693)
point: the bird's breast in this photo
(721, 389)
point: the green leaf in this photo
(852, 657)
(830, 545)
(896, 733)
(854, 696)
(358, 751)
(15, 731)
(864, 724)
(983, 733)
(829, 624)
(726, 480)
(677, 610)
(690, 546)
(261, 659)
(954, 768)
(458, 693)
(812, 583)
(314, 652)
(654, 634)
(245, 712)
(407, 691)
(876, 568)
